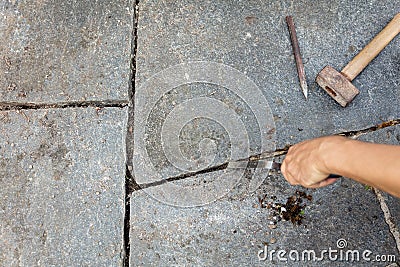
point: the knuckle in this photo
(288, 158)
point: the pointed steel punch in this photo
(262, 163)
(297, 55)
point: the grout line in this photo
(388, 218)
(264, 155)
(6, 106)
(358, 133)
(219, 167)
(126, 227)
(129, 179)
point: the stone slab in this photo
(65, 51)
(62, 174)
(231, 231)
(182, 128)
(252, 37)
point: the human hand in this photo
(307, 163)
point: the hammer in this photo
(338, 84)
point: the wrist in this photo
(334, 150)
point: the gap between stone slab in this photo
(4, 106)
(356, 134)
(388, 218)
(130, 183)
(278, 152)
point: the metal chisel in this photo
(263, 164)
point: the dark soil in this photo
(292, 210)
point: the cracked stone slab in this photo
(63, 51)
(232, 230)
(62, 174)
(390, 135)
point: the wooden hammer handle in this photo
(360, 61)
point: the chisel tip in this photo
(304, 88)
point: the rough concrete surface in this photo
(65, 51)
(231, 231)
(62, 191)
(62, 161)
(252, 37)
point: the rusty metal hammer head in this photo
(337, 85)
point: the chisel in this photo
(263, 164)
(297, 56)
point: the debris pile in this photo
(292, 210)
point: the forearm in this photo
(373, 164)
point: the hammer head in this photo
(337, 85)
